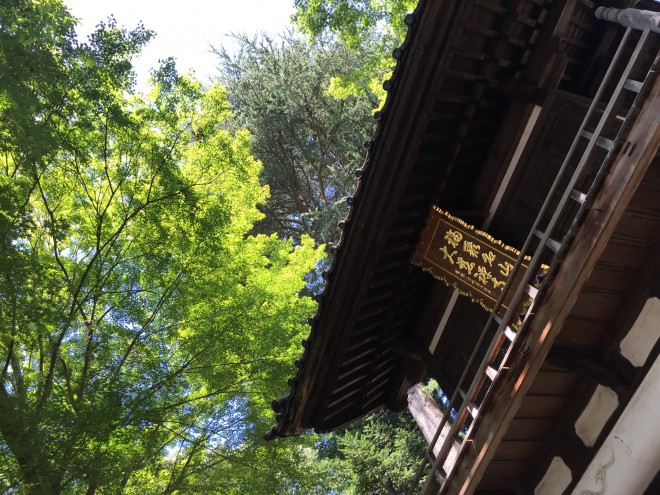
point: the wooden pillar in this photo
(425, 412)
(632, 18)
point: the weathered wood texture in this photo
(470, 70)
(602, 363)
(426, 412)
(563, 296)
(450, 99)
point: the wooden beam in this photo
(591, 367)
(634, 18)
(412, 369)
(620, 184)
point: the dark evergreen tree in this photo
(309, 142)
(377, 455)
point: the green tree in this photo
(309, 142)
(142, 331)
(378, 455)
(374, 27)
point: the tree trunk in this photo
(427, 414)
(37, 476)
(390, 488)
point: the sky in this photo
(184, 28)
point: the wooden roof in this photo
(442, 136)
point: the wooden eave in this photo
(463, 66)
(621, 230)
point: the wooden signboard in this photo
(469, 260)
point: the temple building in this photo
(504, 239)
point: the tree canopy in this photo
(377, 455)
(138, 319)
(376, 24)
(353, 20)
(309, 142)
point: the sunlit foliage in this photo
(143, 332)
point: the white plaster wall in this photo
(644, 333)
(591, 422)
(555, 480)
(630, 456)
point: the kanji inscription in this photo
(467, 259)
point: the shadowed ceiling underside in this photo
(457, 73)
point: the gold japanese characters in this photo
(467, 259)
